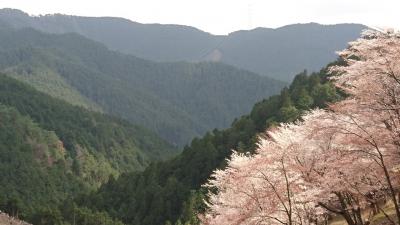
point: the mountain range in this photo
(176, 100)
(278, 53)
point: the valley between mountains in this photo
(108, 121)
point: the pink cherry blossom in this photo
(336, 161)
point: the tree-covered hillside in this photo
(50, 82)
(170, 191)
(279, 53)
(51, 150)
(176, 100)
(34, 165)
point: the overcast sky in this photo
(224, 16)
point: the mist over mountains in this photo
(278, 53)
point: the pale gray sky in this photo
(224, 16)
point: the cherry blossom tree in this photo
(349, 171)
(299, 173)
(339, 161)
(371, 75)
(266, 188)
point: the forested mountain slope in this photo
(51, 150)
(279, 53)
(178, 101)
(170, 191)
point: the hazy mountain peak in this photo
(11, 11)
(279, 53)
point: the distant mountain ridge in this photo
(177, 100)
(279, 53)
